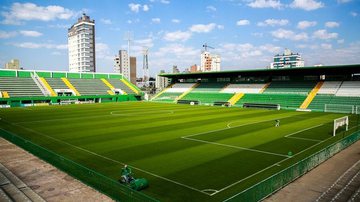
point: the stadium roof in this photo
(321, 70)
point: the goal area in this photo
(340, 123)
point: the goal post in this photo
(340, 108)
(343, 121)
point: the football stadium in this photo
(216, 136)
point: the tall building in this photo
(287, 60)
(13, 64)
(133, 70)
(161, 82)
(81, 45)
(209, 63)
(122, 64)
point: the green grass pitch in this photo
(187, 153)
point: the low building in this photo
(13, 64)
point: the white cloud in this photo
(103, 51)
(30, 33)
(306, 24)
(265, 4)
(257, 34)
(343, 1)
(178, 50)
(32, 45)
(354, 14)
(164, 1)
(201, 28)
(28, 11)
(242, 22)
(210, 8)
(220, 26)
(307, 5)
(324, 35)
(60, 26)
(161, 1)
(133, 21)
(155, 20)
(106, 21)
(134, 7)
(332, 24)
(326, 46)
(177, 36)
(340, 41)
(288, 34)
(274, 22)
(6, 35)
(175, 21)
(146, 8)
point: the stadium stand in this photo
(349, 88)
(56, 83)
(286, 101)
(89, 86)
(208, 93)
(305, 94)
(18, 87)
(118, 84)
(290, 87)
(171, 93)
(244, 88)
(337, 93)
(35, 88)
(330, 87)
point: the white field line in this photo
(235, 147)
(89, 117)
(229, 124)
(104, 157)
(301, 138)
(303, 130)
(278, 163)
(114, 113)
(61, 119)
(227, 128)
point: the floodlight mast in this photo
(145, 64)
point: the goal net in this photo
(338, 108)
(357, 109)
(341, 123)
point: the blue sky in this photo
(246, 33)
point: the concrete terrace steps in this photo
(13, 189)
(345, 188)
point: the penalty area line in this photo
(115, 161)
(235, 147)
(260, 171)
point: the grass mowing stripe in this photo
(303, 130)
(227, 128)
(236, 147)
(260, 171)
(104, 157)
